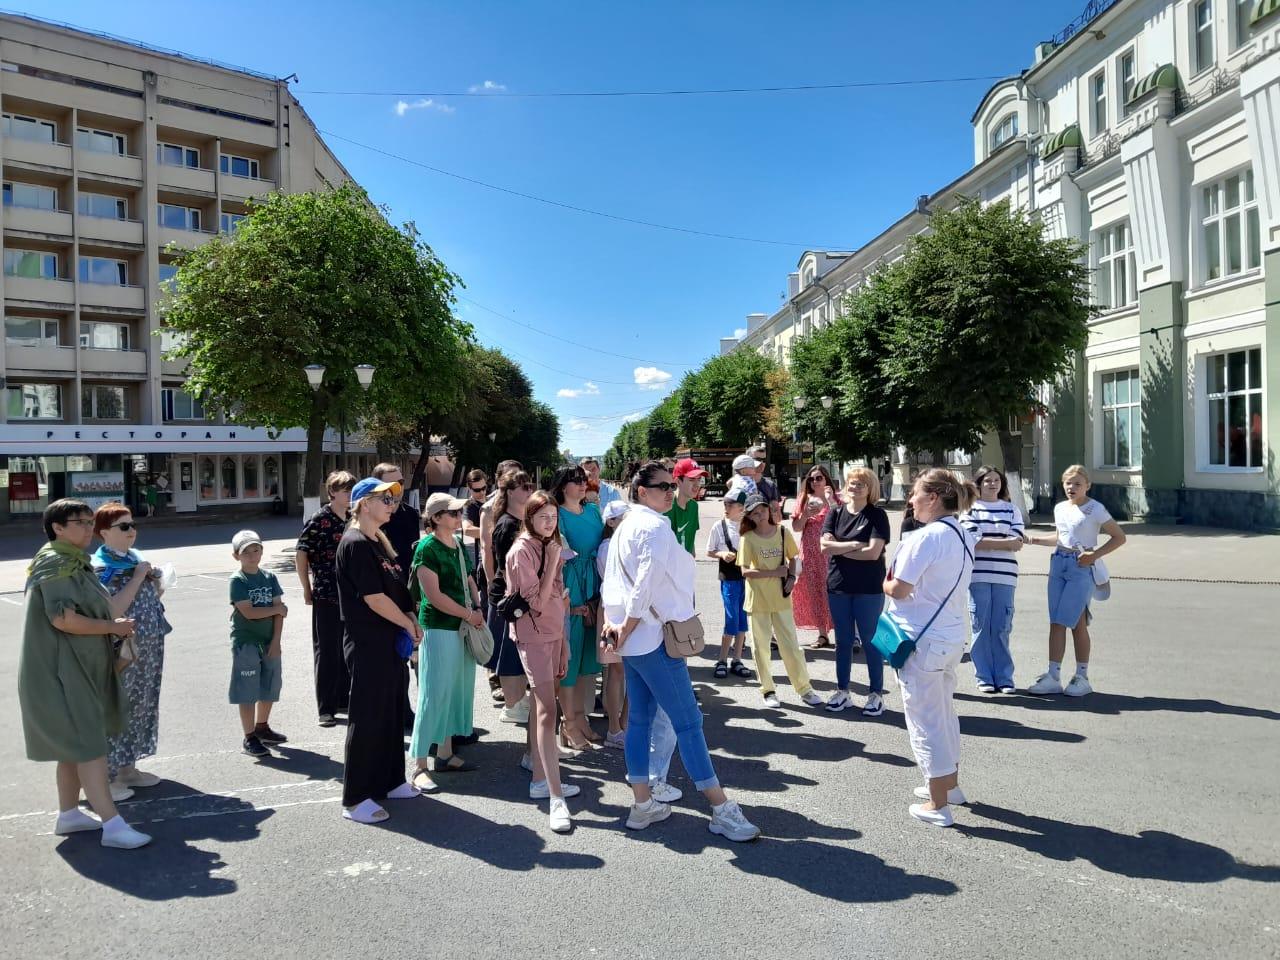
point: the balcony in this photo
(111, 296)
(112, 361)
(94, 164)
(245, 187)
(186, 179)
(53, 223)
(40, 359)
(39, 290)
(185, 239)
(173, 368)
(110, 230)
(38, 153)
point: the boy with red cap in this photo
(684, 510)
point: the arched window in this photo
(230, 485)
(208, 479)
(1005, 130)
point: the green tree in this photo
(537, 444)
(316, 278)
(727, 401)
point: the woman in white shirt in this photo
(1072, 578)
(649, 580)
(928, 588)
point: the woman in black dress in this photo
(376, 609)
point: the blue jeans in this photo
(1070, 589)
(856, 614)
(991, 609)
(655, 680)
(662, 744)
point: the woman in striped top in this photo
(998, 525)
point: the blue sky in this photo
(826, 169)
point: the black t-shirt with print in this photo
(505, 531)
(362, 570)
(319, 541)
(844, 574)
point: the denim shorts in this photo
(1070, 589)
(733, 593)
(255, 677)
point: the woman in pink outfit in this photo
(809, 601)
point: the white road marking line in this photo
(128, 805)
(222, 813)
(16, 603)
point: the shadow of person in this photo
(295, 760)
(1150, 855)
(1114, 704)
(1002, 728)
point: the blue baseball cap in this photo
(372, 485)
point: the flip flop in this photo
(820, 644)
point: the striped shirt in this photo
(994, 518)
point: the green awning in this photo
(1264, 9)
(1070, 137)
(1162, 78)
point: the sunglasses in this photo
(578, 478)
(126, 526)
(479, 489)
(389, 501)
(665, 486)
(527, 487)
(449, 513)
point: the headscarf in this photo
(56, 560)
(107, 562)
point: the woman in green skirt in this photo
(68, 689)
(442, 576)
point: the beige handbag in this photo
(682, 638)
(478, 640)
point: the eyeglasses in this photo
(857, 483)
(126, 526)
(449, 513)
(80, 521)
(665, 486)
(527, 487)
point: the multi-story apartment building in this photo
(111, 153)
(1151, 130)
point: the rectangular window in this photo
(1098, 91)
(239, 166)
(29, 128)
(100, 141)
(102, 205)
(1121, 419)
(179, 218)
(31, 263)
(30, 332)
(1115, 275)
(102, 270)
(177, 404)
(230, 221)
(100, 402)
(1203, 55)
(1242, 11)
(34, 401)
(96, 335)
(1127, 71)
(173, 155)
(31, 196)
(1234, 395)
(1230, 231)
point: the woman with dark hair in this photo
(582, 528)
(68, 689)
(926, 588)
(135, 591)
(809, 601)
(998, 526)
(514, 489)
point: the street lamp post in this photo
(315, 377)
(800, 402)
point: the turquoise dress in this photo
(583, 531)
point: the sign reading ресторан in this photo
(28, 439)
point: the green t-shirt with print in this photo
(260, 589)
(684, 521)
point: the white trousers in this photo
(928, 683)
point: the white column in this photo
(1153, 180)
(1260, 92)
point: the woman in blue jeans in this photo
(648, 581)
(854, 536)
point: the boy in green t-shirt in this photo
(684, 509)
(257, 620)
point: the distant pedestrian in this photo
(615, 683)
(998, 526)
(487, 566)
(1075, 577)
(927, 586)
(601, 491)
(816, 498)
(477, 494)
(257, 622)
(723, 543)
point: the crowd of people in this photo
(576, 596)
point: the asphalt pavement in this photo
(1136, 822)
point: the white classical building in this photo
(1150, 129)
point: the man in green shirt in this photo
(684, 511)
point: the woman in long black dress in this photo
(376, 608)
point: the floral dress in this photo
(809, 599)
(141, 679)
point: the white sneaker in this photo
(526, 763)
(560, 820)
(986, 688)
(1045, 685)
(75, 821)
(124, 837)
(541, 790)
(874, 705)
(812, 699)
(1008, 688)
(840, 700)
(517, 714)
(653, 812)
(729, 822)
(771, 699)
(664, 792)
(938, 818)
(1078, 687)
(955, 796)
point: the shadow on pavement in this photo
(1113, 704)
(1001, 728)
(1150, 855)
(314, 766)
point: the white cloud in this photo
(579, 426)
(632, 417)
(489, 86)
(588, 389)
(403, 106)
(651, 378)
(739, 333)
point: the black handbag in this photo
(513, 606)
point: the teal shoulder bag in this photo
(890, 639)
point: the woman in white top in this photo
(648, 581)
(1072, 578)
(927, 589)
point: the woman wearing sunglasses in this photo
(135, 590)
(514, 489)
(809, 603)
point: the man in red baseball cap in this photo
(684, 510)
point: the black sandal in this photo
(722, 670)
(740, 669)
(448, 766)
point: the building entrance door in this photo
(184, 489)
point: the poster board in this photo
(96, 488)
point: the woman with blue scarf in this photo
(135, 593)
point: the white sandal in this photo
(366, 811)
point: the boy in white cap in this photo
(257, 620)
